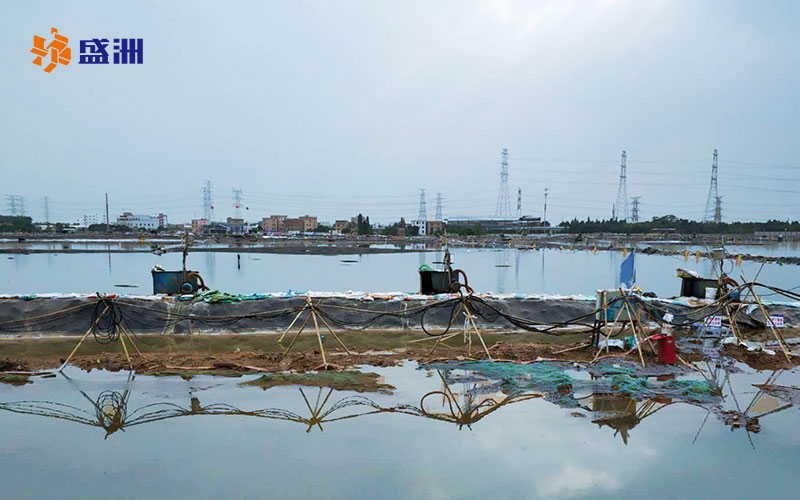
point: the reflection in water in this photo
(622, 413)
(462, 397)
(210, 267)
(109, 410)
(765, 401)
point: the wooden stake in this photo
(778, 336)
(125, 348)
(321, 318)
(294, 339)
(319, 338)
(297, 316)
(480, 337)
(83, 338)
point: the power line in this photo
(422, 217)
(621, 206)
(635, 208)
(46, 206)
(713, 194)
(16, 205)
(503, 201)
(546, 194)
(237, 202)
(208, 204)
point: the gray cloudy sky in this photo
(337, 107)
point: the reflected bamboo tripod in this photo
(313, 313)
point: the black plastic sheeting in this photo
(73, 316)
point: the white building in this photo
(87, 220)
(138, 221)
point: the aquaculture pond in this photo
(550, 271)
(449, 430)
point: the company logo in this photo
(58, 50)
(93, 51)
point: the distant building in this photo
(308, 223)
(273, 224)
(133, 221)
(432, 227)
(199, 225)
(340, 225)
(236, 226)
(283, 224)
(149, 222)
(89, 219)
(501, 224)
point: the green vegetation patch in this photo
(190, 374)
(10, 379)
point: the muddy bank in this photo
(235, 355)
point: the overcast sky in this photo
(337, 107)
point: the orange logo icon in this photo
(58, 50)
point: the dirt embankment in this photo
(235, 361)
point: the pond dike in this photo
(58, 315)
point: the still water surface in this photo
(210, 438)
(503, 271)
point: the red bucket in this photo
(666, 349)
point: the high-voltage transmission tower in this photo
(46, 207)
(546, 194)
(16, 204)
(635, 208)
(208, 204)
(621, 206)
(439, 207)
(713, 199)
(237, 202)
(422, 217)
(519, 202)
(503, 200)
(718, 210)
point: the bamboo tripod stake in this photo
(123, 333)
(778, 336)
(625, 308)
(470, 320)
(312, 314)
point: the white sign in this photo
(777, 320)
(714, 321)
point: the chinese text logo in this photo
(93, 51)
